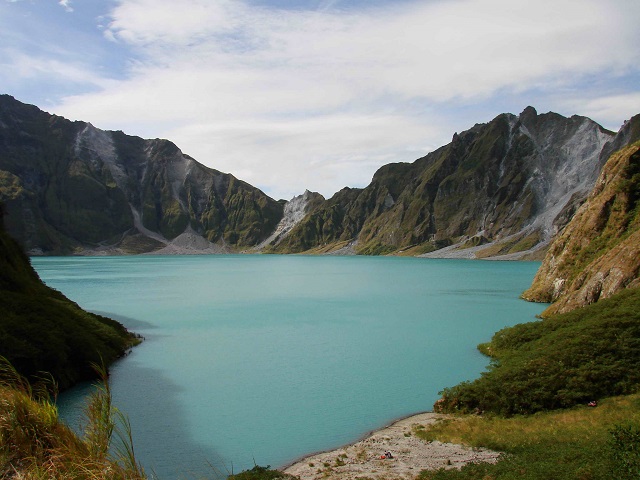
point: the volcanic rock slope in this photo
(501, 188)
(598, 253)
(68, 186)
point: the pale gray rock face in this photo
(565, 163)
(561, 169)
(294, 211)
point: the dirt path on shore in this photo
(410, 455)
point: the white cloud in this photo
(322, 153)
(66, 4)
(611, 110)
(272, 93)
(438, 50)
(18, 67)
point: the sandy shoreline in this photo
(410, 454)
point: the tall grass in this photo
(35, 445)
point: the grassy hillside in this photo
(582, 443)
(43, 331)
(554, 369)
(565, 360)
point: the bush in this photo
(261, 473)
(566, 360)
(625, 448)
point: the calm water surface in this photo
(266, 358)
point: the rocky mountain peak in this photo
(528, 115)
(294, 211)
(511, 182)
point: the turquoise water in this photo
(267, 358)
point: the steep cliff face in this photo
(70, 186)
(598, 253)
(500, 187)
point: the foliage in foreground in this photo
(36, 445)
(565, 360)
(625, 446)
(580, 443)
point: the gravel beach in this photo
(410, 455)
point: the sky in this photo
(318, 94)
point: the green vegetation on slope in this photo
(261, 473)
(43, 331)
(581, 443)
(565, 360)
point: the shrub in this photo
(42, 330)
(566, 360)
(261, 473)
(625, 451)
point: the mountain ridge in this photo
(500, 189)
(522, 173)
(70, 187)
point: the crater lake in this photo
(267, 358)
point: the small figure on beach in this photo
(387, 454)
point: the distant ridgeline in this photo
(43, 331)
(503, 188)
